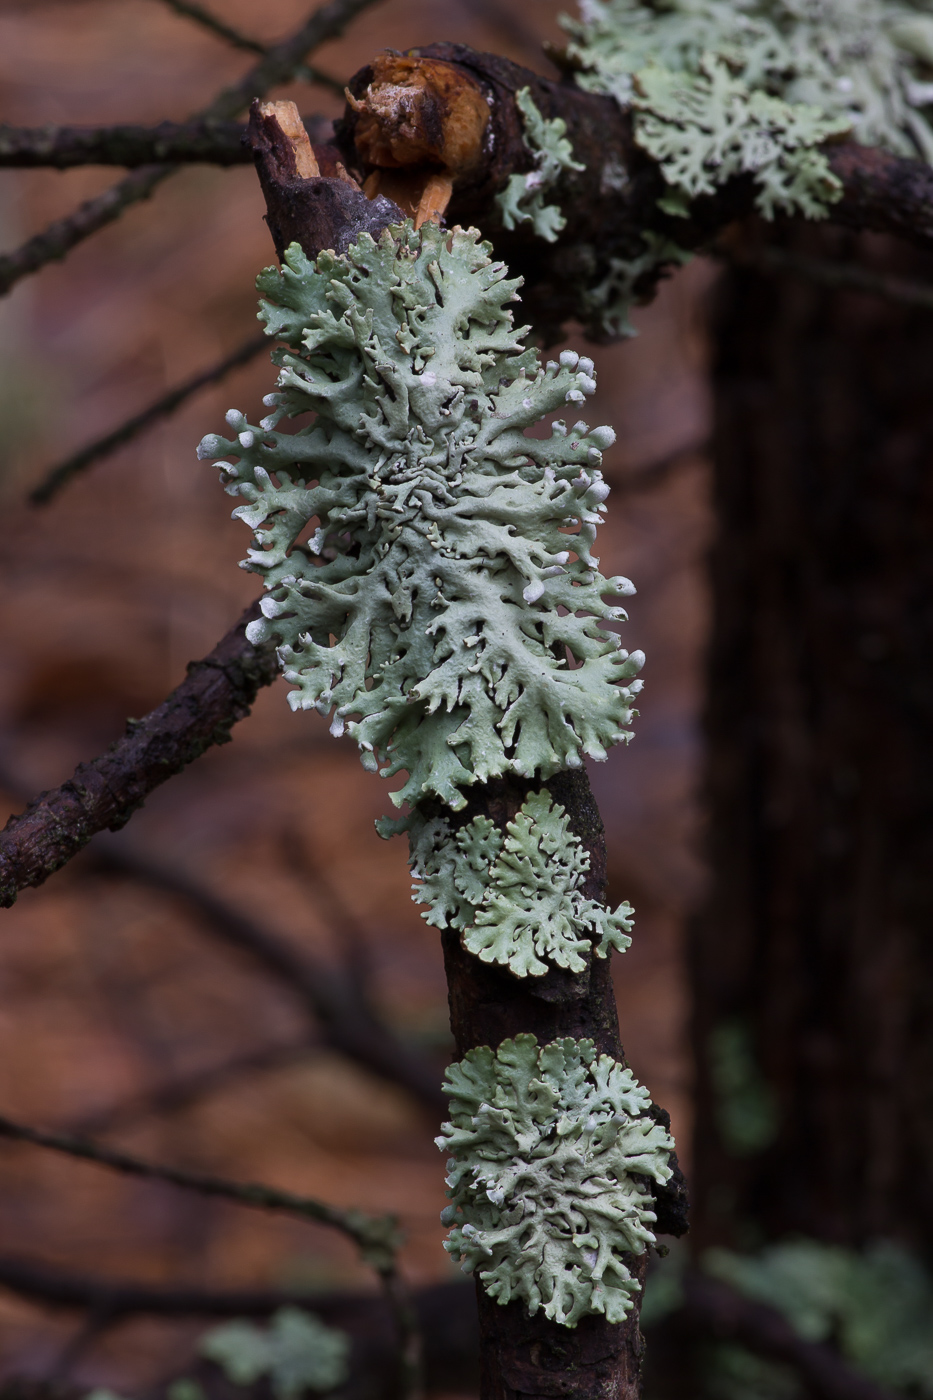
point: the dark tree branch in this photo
(277, 65)
(713, 1308)
(446, 1313)
(63, 147)
(59, 475)
(54, 242)
(186, 1089)
(375, 1236)
(190, 10)
(612, 201)
(216, 693)
(719, 1309)
(349, 1023)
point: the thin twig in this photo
(216, 693)
(277, 65)
(129, 144)
(54, 242)
(376, 1237)
(201, 16)
(771, 259)
(190, 10)
(105, 446)
(184, 1090)
(349, 1023)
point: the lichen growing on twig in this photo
(552, 1152)
(428, 566)
(523, 199)
(518, 898)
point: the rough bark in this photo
(104, 793)
(815, 939)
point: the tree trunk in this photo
(812, 961)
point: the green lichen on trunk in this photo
(517, 897)
(552, 1152)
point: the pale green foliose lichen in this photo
(523, 199)
(552, 1152)
(725, 85)
(719, 88)
(608, 302)
(518, 898)
(429, 567)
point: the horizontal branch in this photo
(277, 65)
(718, 1309)
(446, 1312)
(376, 1237)
(129, 145)
(59, 475)
(104, 793)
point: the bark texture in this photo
(815, 944)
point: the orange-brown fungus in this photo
(419, 111)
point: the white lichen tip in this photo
(552, 1153)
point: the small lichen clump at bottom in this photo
(552, 1154)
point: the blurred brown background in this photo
(121, 1011)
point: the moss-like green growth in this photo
(517, 899)
(428, 566)
(551, 1155)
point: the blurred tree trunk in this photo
(812, 962)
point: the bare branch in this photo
(277, 65)
(54, 242)
(446, 1312)
(190, 10)
(350, 1024)
(59, 475)
(129, 145)
(718, 1308)
(376, 1236)
(216, 693)
(181, 1092)
(201, 16)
